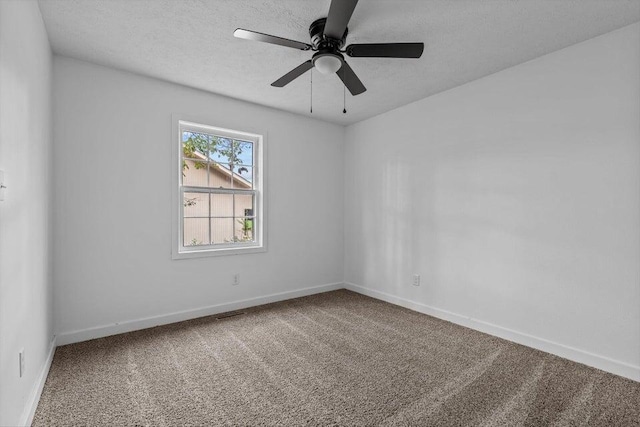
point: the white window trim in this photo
(178, 251)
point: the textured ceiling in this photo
(191, 42)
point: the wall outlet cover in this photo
(3, 186)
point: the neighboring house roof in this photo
(224, 171)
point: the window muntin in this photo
(220, 189)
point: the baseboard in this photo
(34, 397)
(574, 354)
(179, 316)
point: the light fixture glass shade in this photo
(327, 64)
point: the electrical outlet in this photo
(2, 186)
(416, 280)
(21, 358)
(236, 279)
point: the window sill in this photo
(217, 252)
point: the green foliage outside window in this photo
(207, 146)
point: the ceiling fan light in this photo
(327, 64)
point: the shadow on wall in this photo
(392, 227)
(484, 222)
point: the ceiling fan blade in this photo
(293, 74)
(350, 80)
(385, 50)
(340, 13)
(266, 38)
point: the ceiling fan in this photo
(328, 36)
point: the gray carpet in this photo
(331, 359)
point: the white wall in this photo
(112, 221)
(25, 231)
(517, 199)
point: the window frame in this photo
(179, 250)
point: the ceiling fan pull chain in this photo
(344, 95)
(311, 100)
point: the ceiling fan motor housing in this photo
(320, 42)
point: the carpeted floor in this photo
(337, 358)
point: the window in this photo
(220, 194)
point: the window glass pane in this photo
(222, 205)
(242, 176)
(244, 229)
(195, 145)
(222, 230)
(244, 150)
(225, 169)
(196, 205)
(220, 176)
(196, 231)
(194, 173)
(244, 205)
(221, 149)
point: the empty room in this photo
(319, 212)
